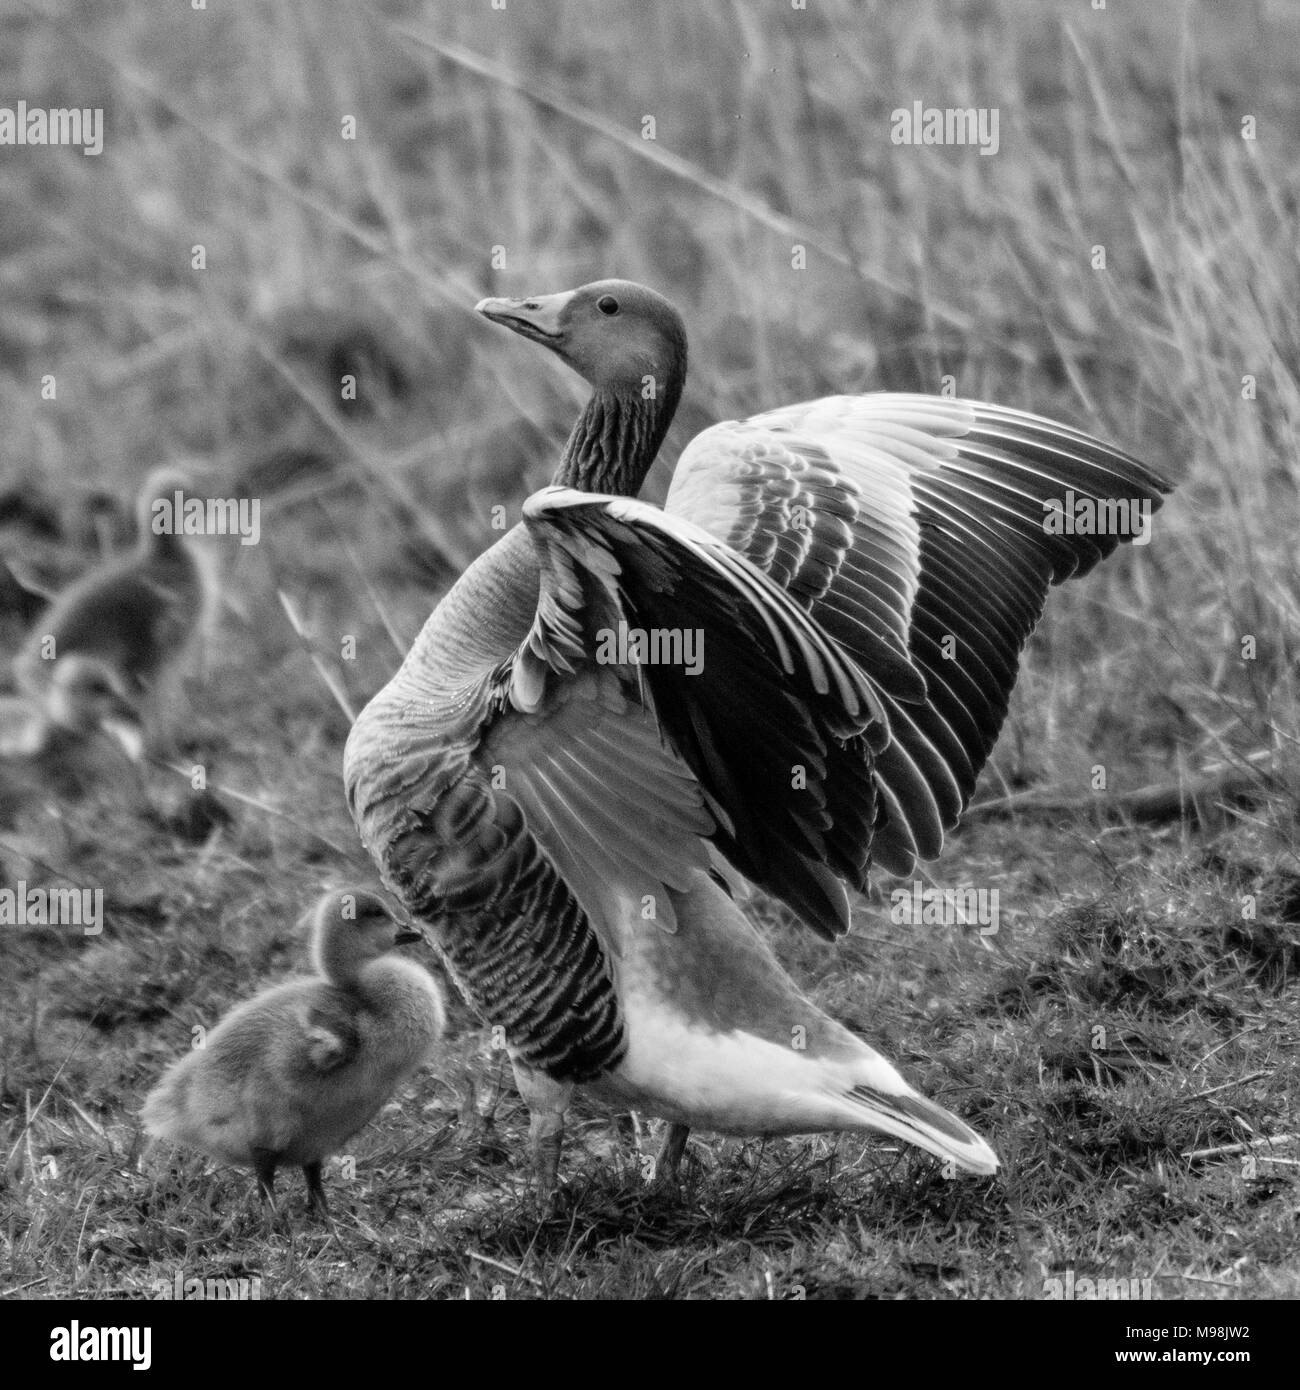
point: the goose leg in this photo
(547, 1100)
(669, 1162)
(316, 1202)
(546, 1134)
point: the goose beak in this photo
(537, 318)
(407, 938)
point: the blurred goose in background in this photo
(861, 574)
(133, 620)
(291, 1075)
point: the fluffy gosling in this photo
(291, 1075)
(137, 616)
(85, 696)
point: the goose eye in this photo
(607, 304)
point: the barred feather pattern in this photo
(513, 935)
(459, 853)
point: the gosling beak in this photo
(537, 318)
(127, 734)
(407, 938)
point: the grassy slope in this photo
(327, 256)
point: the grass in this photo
(1125, 1016)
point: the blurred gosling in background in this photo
(84, 696)
(137, 617)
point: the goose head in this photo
(86, 694)
(630, 344)
(614, 333)
(352, 926)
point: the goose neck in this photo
(617, 436)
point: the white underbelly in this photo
(730, 1083)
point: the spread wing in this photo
(530, 791)
(922, 534)
(757, 716)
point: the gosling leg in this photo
(264, 1162)
(316, 1202)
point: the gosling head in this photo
(352, 926)
(615, 333)
(87, 694)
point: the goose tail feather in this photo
(911, 1117)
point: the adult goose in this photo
(862, 573)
